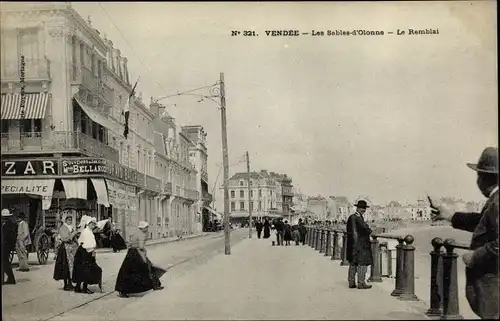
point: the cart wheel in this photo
(11, 257)
(43, 249)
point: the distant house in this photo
(339, 208)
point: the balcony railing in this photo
(57, 141)
(153, 183)
(167, 188)
(106, 92)
(34, 69)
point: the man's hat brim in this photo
(481, 170)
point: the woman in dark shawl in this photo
(85, 268)
(287, 233)
(137, 274)
(66, 250)
(117, 241)
(267, 228)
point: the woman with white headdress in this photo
(137, 274)
(63, 267)
(85, 268)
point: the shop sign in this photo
(84, 166)
(30, 167)
(122, 172)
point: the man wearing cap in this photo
(23, 241)
(482, 262)
(359, 252)
(9, 235)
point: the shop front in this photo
(47, 190)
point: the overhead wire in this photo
(128, 44)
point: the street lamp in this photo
(216, 91)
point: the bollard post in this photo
(435, 297)
(343, 255)
(398, 290)
(313, 237)
(409, 271)
(315, 241)
(323, 241)
(328, 243)
(450, 284)
(336, 248)
(318, 239)
(375, 268)
(308, 236)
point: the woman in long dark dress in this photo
(66, 250)
(137, 274)
(267, 228)
(85, 268)
(117, 241)
(287, 233)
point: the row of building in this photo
(64, 87)
(338, 208)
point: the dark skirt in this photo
(61, 267)
(287, 236)
(267, 232)
(85, 268)
(117, 242)
(136, 276)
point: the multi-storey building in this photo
(63, 149)
(339, 208)
(198, 154)
(318, 207)
(263, 196)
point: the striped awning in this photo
(35, 105)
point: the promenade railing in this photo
(399, 261)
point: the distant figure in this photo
(359, 253)
(9, 237)
(258, 227)
(267, 228)
(302, 231)
(23, 242)
(287, 233)
(137, 274)
(115, 238)
(482, 262)
(296, 234)
(279, 226)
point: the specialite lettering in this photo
(25, 189)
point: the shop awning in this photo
(35, 105)
(97, 117)
(219, 216)
(41, 187)
(75, 188)
(101, 191)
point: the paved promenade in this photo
(259, 281)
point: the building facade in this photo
(318, 208)
(63, 89)
(263, 196)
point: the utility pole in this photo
(225, 162)
(249, 199)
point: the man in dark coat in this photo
(280, 227)
(258, 227)
(482, 262)
(359, 252)
(302, 231)
(9, 238)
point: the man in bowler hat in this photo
(359, 252)
(482, 262)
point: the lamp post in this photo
(217, 91)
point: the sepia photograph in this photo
(251, 160)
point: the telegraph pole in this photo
(225, 161)
(249, 199)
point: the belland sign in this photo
(68, 167)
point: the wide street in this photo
(257, 281)
(36, 296)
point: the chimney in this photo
(154, 107)
(89, 20)
(139, 96)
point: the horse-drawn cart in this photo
(42, 240)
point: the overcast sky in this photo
(391, 117)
